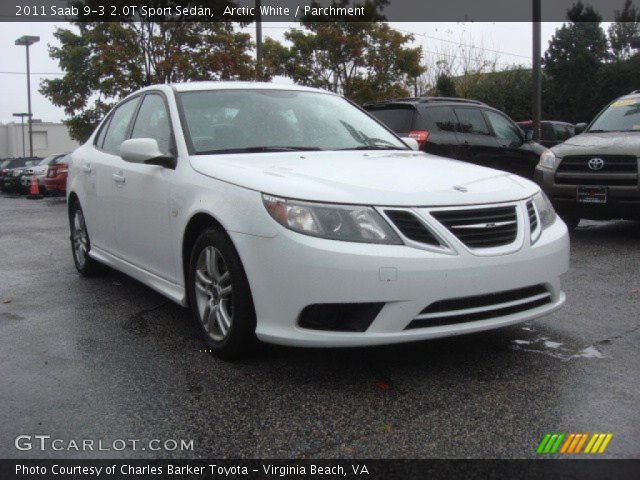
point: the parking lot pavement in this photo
(108, 358)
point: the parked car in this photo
(594, 175)
(552, 132)
(40, 171)
(11, 172)
(55, 181)
(463, 129)
(288, 214)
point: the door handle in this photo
(118, 178)
(86, 168)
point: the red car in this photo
(55, 181)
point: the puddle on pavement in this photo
(546, 346)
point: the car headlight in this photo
(547, 160)
(546, 212)
(351, 223)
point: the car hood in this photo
(367, 178)
(616, 143)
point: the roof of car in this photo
(435, 100)
(224, 85)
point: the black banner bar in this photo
(325, 469)
(295, 10)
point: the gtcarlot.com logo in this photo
(574, 443)
(46, 442)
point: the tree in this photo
(576, 53)
(361, 60)
(104, 61)
(445, 86)
(625, 27)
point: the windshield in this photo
(47, 160)
(621, 116)
(235, 121)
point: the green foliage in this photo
(625, 28)
(573, 61)
(362, 60)
(445, 86)
(104, 62)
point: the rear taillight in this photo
(421, 136)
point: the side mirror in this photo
(411, 142)
(580, 127)
(145, 150)
(528, 135)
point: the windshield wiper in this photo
(374, 147)
(259, 149)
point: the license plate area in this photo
(588, 194)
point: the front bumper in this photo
(623, 201)
(11, 184)
(291, 271)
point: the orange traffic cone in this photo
(34, 189)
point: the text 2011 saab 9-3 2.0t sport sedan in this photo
(287, 214)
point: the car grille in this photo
(617, 170)
(481, 307)
(411, 227)
(481, 227)
(533, 217)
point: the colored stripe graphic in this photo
(572, 443)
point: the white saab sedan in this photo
(289, 215)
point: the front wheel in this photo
(220, 296)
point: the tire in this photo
(572, 221)
(80, 244)
(220, 296)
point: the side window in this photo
(153, 122)
(103, 131)
(562, 132)
(503, 127)
(117, 131)
(470, 120)
(443, 118)
(547, 132)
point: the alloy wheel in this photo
(80, 238)
(214, 293)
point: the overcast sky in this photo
(511, 40)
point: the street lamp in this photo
(27, 40)
(22, 115)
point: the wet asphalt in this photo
(107, 358)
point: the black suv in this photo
(552, 132)
(463, 129)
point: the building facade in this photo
(48, 138)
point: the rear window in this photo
(400, 120)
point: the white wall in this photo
(48, 138)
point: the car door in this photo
(513, 155)
(143, 213)
(96, 167)
(478, 145)
(441, 123)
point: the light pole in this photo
(22, 115)
(27, 40)
(258, 10)
(536, 80)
